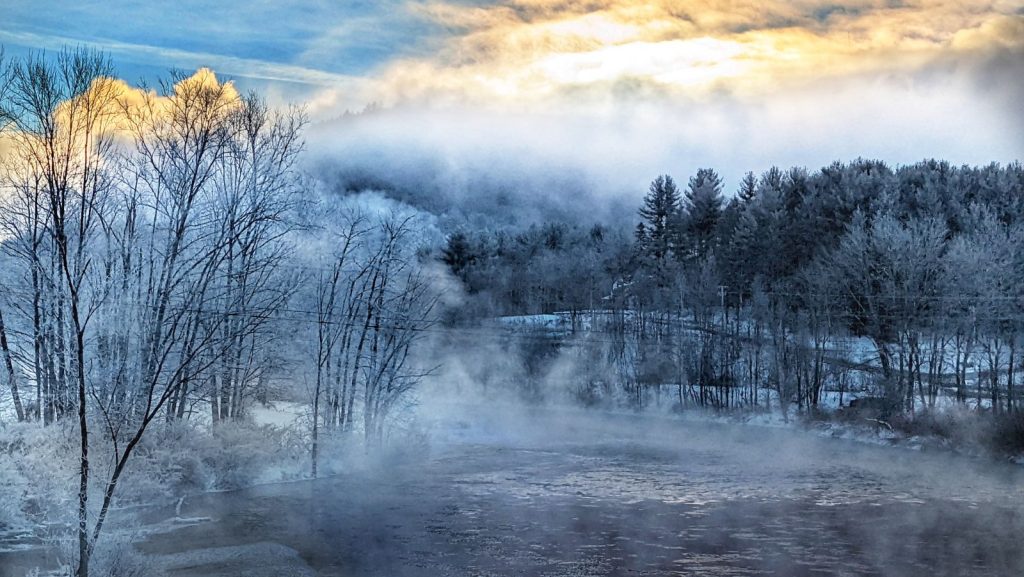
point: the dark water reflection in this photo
(560, 495)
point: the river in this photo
(567, 494)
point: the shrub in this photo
(1007, 435)
(114, 556)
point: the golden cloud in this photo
(111, 102)
(531, 50)
(108, 108)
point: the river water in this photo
(570, 495)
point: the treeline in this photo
(549, 267)
(764, 294)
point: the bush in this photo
(39, 466)
(179, 458)
(114, 556)
(38, 472)
(1001, 435)
(239, 454)
(1007, 437)
(948, 424)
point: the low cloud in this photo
(534, 164)
(531, 106)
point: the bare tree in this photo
(256, 190)
(373, 303)
(61, 112)
(334, 294)
(153, 231)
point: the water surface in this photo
(560, 494)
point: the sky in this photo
(617, 90)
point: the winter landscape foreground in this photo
(527, 492)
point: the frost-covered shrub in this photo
(1007, 436)
(949, 424)
(406, 435)
(13, 488)
(240, 454)
(976, 431)
(38, 472)
(181, 458)
(167, 464)
(39, 465)
(114, 556)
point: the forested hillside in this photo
(768, 287)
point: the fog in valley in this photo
(516, 288)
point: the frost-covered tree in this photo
(146, 229)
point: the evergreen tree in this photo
(640, 234)
(748, 188)
(771, 179)
(703, 209)
(661, 212)
(458, 253)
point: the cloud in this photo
(611, 93)
(110, 107)
(559, 96)
(1002, 32)
(565, 162)
(531, 108)
(530, 51)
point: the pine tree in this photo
(458, 253)
(703, 209)
(771, 179)
(661, 211)
(748, 188)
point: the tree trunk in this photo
(11, 376)
(1010, 408)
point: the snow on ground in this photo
(551, 322)
(280, 414)
(265, 559)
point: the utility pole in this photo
(721, 295)
(725, 329)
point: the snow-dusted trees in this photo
(373, 300)
(256, 191)
(659, 232)
(702, 209)
(907, 277)
(143, 233)
(208, 181)
(984, 309)
(149, 242)
(891, 277)
(59, 112)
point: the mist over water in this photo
(527, 491)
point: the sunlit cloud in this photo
(531, 50)
(620, 91)
(802, 81)
(111, 108)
